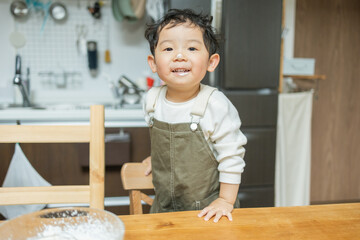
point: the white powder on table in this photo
(92, 229)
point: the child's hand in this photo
(218, 208)
(147, 162)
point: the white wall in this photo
(53, 49)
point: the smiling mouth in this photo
(181, 71)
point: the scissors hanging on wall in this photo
(81, 32)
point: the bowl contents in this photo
(64, 223)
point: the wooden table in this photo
(333, 221)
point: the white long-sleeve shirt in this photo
(221, 128)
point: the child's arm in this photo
(147, 161)
(222, 206)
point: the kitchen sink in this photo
(19, 106)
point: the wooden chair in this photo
(134, 180)
(92, 134)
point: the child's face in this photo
(181, 58)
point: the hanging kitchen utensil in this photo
(96, 9)
(92, 57)
(122, 9)
(155, 9)
(17, 39)
(81, 32)
(58, 12)
(115, 11)
(107, 51)
(138, 7)
(131, 92)
(19, 9)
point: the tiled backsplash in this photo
(59, 73)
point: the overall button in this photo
(193, 126)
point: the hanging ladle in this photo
(19, 9)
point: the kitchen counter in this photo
(113, 117)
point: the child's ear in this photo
(151, 62)
(213, 62)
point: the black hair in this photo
(177, 16)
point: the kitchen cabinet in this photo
(260, 156)
(256, 196)
(203, 6)
(251, 49)
(249, 76)
(255, 108)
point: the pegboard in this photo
(51, 46)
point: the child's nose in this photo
(179, 57)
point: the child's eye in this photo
(168, 49)
(192, 49)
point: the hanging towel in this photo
(21, 174)
(293, 149)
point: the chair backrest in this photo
(92, 134)
(133, 179)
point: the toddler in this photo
(196, 143)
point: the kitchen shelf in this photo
(306, 77)
(315, 78)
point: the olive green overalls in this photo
(184, 168)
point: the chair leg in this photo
(147, 199)
(135, 202)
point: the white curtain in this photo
(293, 149)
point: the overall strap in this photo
(153, 95)
(201, 102)
(199, 107)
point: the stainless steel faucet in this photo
(24, 85)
